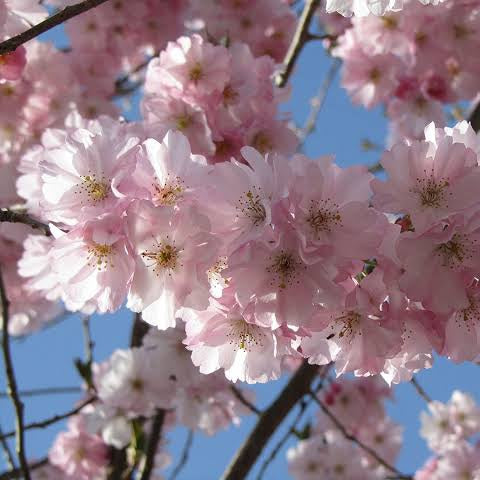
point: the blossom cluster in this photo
(358, 406)
(447, 428)
(220, 98)
(364, 8)
(114, 38)
(414, 62)
(130, 386)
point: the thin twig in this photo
(9, 458)
(12, 389)
(268, 422)
(420, 390)
(358, 442)
(301, 37)
(87, 337)
(10, 216)
(474, 116)
(119, 461)
(17, 472)
(184, 457)
(63, 15)
(241, 397)
(52, 420)
(283, 440)
(154, 438)
(318, 101)
(45, 391)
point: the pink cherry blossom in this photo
(100, 264)
(173, 254)
(78, 454)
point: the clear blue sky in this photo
(46, 359)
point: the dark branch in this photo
(184, 457)
(358, 442)
(420, 390)
(242, 399)
(11, 216)
(153, 440)
(45, 391)
(12, 389)
(474, 117)
(63, 15)
(9, 458)
(283, 440)
(269, 421)
(17, 472)
(301, 37)
(52, 420)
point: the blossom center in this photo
(389, 22)
(455, 251)
(251, 206)
(170, 193)
(431, 192)
(96, 190)
(99, 256)
(244, 335)
(285, 267)
(262, 142)
(196, 73)
(349, 321)
(183, 122)
(322, 219)
(164, 258)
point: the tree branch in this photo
(45, 391)
(52, 420)
(474, 117)
(420, 390)
(17, 472)
(184, 457)
(9, 458)
(301, 37)
(153, 440)
(318, 101)
(283, 440)
(242, 399)
(358, 442)
(63, 15)
(269, 421)
(12, 389)
(10, 216)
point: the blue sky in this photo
(46, 359)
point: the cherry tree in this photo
(241, 259)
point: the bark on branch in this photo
(11, 216)
(301, 37)
(269, 421)
(52, 420)
(12, 389)
(71, 11)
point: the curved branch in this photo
(12, 389)
(268, 422)
(71, 11)
(52, 420)
(10, 216)
(153, 440)
(242, 399)
(184, 457)
(34, 392)
(17, 472)
(399, 475)
(301, 37)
